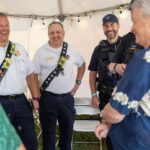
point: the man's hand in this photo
(80, 73)
(120, 68)
(21, 147)
(111, 68)
(35, 105)
(102, 130)
(75, 88)
(95, 101)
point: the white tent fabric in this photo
(85, 35)
(50, 7)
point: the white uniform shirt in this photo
(14, 81)
(46, 60)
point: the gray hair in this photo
(56, 22)
(144, 5)
(3, 14)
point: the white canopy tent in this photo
(81, 19)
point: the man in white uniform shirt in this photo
(58, 87)
(15, 74)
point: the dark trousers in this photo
(104, 99)
(20, 114)
(53, 108)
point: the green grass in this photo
(84, 137)
(87, 137)
(80, 136)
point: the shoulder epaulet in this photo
(103, 43)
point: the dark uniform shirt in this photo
(101, 57)
(126, 49)
(103, 54)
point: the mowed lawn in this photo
(80, 137)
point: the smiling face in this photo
(141, 27)
(111, 30)
(56, 35)
(4, 29)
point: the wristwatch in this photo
(78, 82)
(94, 94)
(36, 98)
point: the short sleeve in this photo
(79, 60)
(29, 65)
(36, 62)
(94, 59)
(129, 94)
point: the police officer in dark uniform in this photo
(124, 53)
(101, 58)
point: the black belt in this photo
(63, 94)
(15, 96)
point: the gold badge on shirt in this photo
(17, 53)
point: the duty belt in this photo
(102, 88)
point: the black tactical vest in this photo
(107, 52)
(129, 46)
